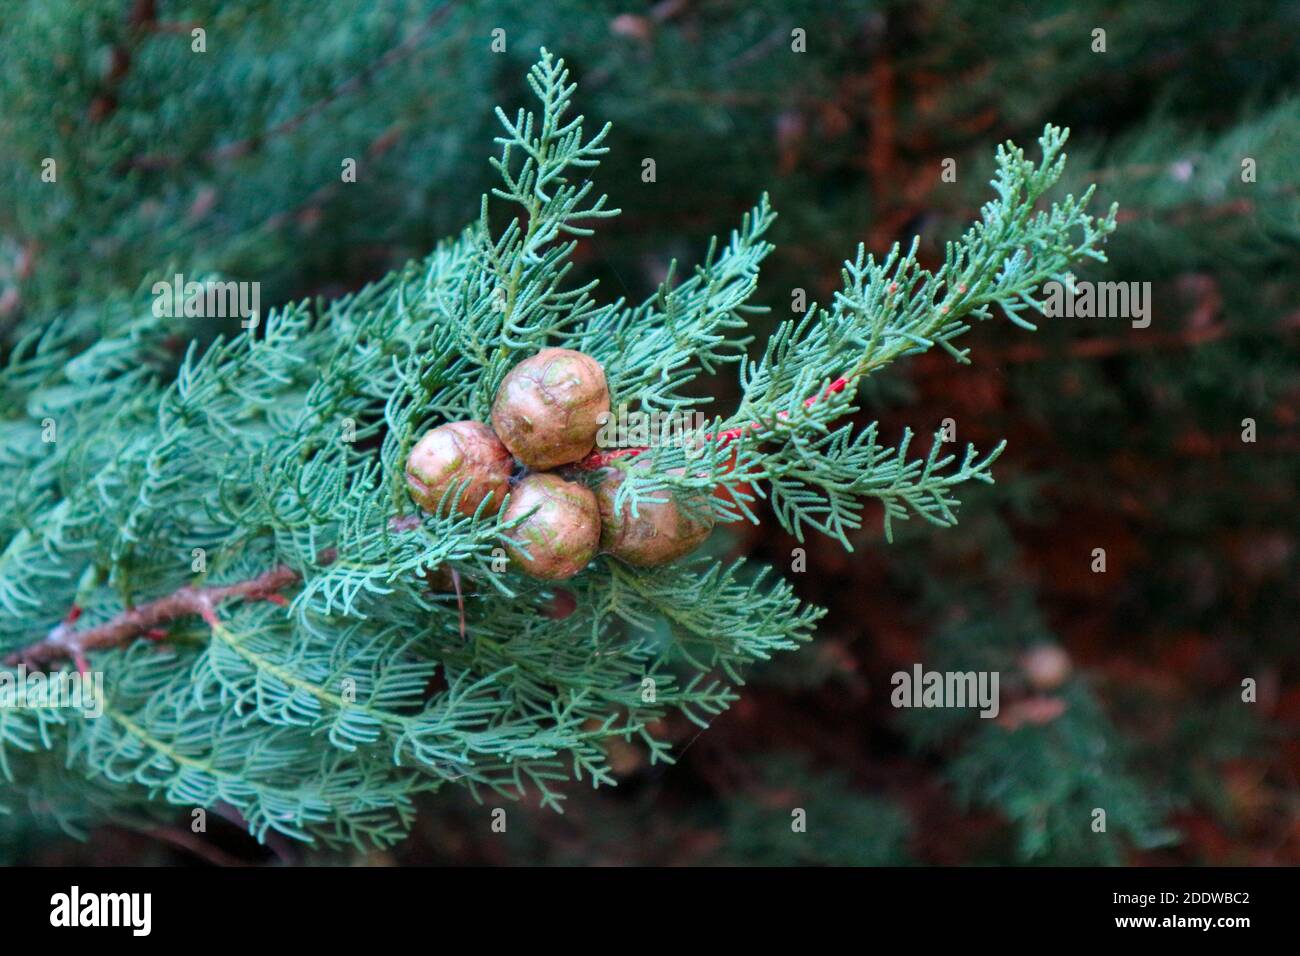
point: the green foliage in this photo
(1044, 778)
(842, 826)
(284, 445)
(1052, 783)
(227, 163)
(819, 475)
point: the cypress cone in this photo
(550, 407)
(562, 535)
(455, 452)
(1046, 666)
(661, 530)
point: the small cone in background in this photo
(1045, 666)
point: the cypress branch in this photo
(279, 455)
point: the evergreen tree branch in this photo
(782, 434)
(285, 447)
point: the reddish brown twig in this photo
(65, 642)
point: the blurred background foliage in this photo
(1121, 689)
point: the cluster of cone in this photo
(546, 415)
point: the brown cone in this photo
(661, 531)
(550, 407)
(454, 452)
(1046, 666)
(561, 535)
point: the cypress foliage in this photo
(250, 512)
(130, 439)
